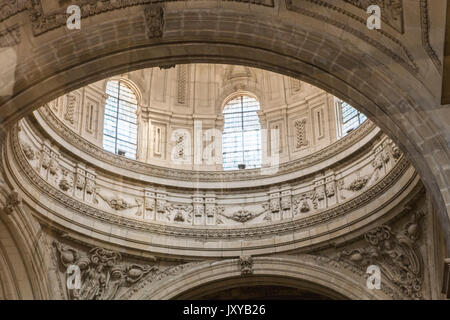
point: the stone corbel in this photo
(101, 272)
(246, 265)
(12, 201)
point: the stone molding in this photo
(102, 274)
(304, 267)
(52, 192)
(406, 60)
(203, 176)
(395, 252)
(43, 23)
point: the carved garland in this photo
(425, 22)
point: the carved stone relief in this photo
(12, 200)
(101, 271)
(300, 134)
(395, 252)
(154, 19)
(246, 265)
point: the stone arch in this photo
(277, 36)
(301, 272)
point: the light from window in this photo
(350, 118)
(241, 139)
(120, 123)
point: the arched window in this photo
(120, 123)
(241, 139)
(348, 118)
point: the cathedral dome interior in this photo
(150, 167)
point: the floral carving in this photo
(102, 274)
(358, 183)
(396, 253)
(154, 19)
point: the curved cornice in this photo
(184, 178)
(206, 232)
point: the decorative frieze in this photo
(301, 203)
(10, 37)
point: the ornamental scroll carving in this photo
(101, 271)
(395, 252)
